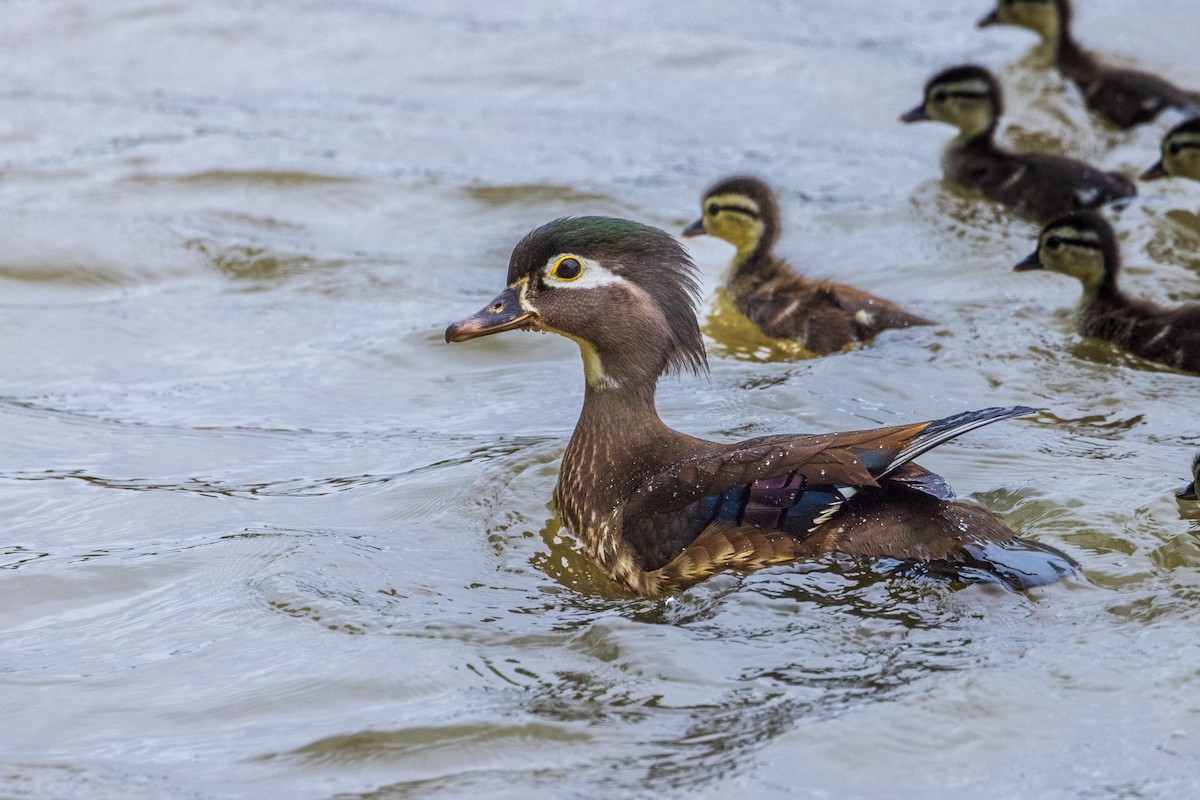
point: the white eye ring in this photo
(566, 268)
(590, 273)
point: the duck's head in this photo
(1081, 245)
(1189, 492)
(1047, 18)
(966, 97)
(742, 211)
(1180, 153)
(623, 291)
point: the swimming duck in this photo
(659, 510)
(1123, 97)
(821, 315)
(1189, 492)
(1038, 185)
(1180, 153)
(1084, 246)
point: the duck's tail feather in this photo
(947, 428)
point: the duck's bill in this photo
(989, 19)
(695, 229)
(505, 313)
(1188, 492)
(1028, 263)
(915, 115)
(1155, 172)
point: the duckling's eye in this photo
(713, 208)
(940, 96)
(1174, 147)
(567, 268)
(1053, 243)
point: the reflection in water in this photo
(730, 334)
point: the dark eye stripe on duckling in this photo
(955, 94)
(716, 208)
(1090, 244)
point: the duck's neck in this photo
(1071, 59)
(755, 255)
(1101, 299)
(979, 138)
(618, 441)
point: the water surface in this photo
(266, 535)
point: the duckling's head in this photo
(742, 211)
(623, 291)
(1082, 245)
(1189, 492)
(1047, 18)
(1180, 153)
(967, 97)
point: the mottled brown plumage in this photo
(1084, 246)
(822, 316)
(659, 510)
(1039, 185)
(1122, 97)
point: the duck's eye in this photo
(1174, 147)
(567, 268)
(713, 208)
(1053, 243)
(940, 96)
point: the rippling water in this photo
(266, 536)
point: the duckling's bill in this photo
(1155, 172)
(916, 114)
(507, 312)
(1030, 262)
(988, 19)
(695, 229)
(1188, 492)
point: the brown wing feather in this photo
(823, 458)
(822, 315)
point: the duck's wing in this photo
(1051, 185)
(824, 316)
(1169, 336)
(1129, 97)
(794, 481)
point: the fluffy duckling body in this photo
(1084, 246)
(1189, 492)
(822, 316)
(1180, 153)
(1038, 185)
(1122, 97)
(659, 510)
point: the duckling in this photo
(1122, 97)
(1189, 492)
(1038, 185)
(659, 510)
(1084, 246)
(1180, 153)
(821, 315)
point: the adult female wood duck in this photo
(1189, 492)
(1084, 246)
(821, 315)
(1038, 185)
(659, 510)
(1122, 97)
(1180, 153)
